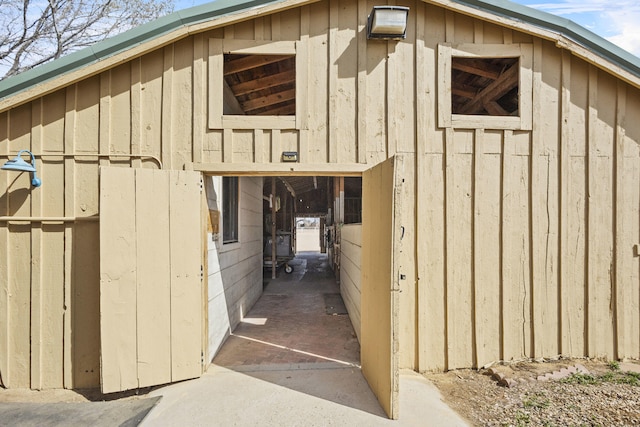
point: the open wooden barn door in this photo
(150, 277)
(381, 238)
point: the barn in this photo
(476, 170)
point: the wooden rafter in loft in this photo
(262, 84)
(485, 86)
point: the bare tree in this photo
(33, 32)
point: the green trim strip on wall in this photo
(149, 31)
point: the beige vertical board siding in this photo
(5, 314)
(344, 72)
(486, 246)
(186, 262)
(70, 109)
(601, 304)
(153, 284)
(572, 216)
(318, 100)
(136, 107)
(199, 119)
(166, 121)
(120, 111)
(431, 201)
(37, 291)
(376, 87)
(544, 199)
(19, 244)
(51, 262)
(516, 284)
(182, 99)
(459, 228)
(82, 367)
(350, 272)
(627, 224)
(243, 146)
(151, 102)
(118, 262)
(401, 118)
(361, 108)
(380, 246)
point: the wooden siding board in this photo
(117, 281)
(37, 299)
(72, 100)
(459, 251)
(5, 324)
(599, 227)
(350, 262)
(182, 94)
(432, 271)
(120, 114)
(544, 201)
(516, 284)
(153, 285)
(318, 81)
(185, 275)
(486, 250)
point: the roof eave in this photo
(50, 76)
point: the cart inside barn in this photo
(284, 251)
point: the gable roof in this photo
(70, 68)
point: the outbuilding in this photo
(476, 169)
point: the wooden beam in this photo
(251, 61)
(495, 109)
(507, 81)
(479, 67)
(266, 82)
(265, 101)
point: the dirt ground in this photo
(609, 395)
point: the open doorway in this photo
(294, 320)
(301, 316)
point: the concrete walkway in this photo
(294, 361)
(303, 395)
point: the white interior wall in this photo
(350, 262)
(235, 269)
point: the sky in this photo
(615, 20)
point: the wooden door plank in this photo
(117, 279)
(186, 321)
(153, 277)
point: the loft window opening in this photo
(485, 86)
(259, 85)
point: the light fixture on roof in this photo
(18, 164)
(387, 23)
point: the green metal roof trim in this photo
(197, 14)
(124, 41)
(562, 26)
